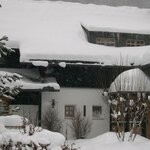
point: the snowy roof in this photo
(28, 84)
(122, 23)
(46, 30)
(48, 86)
(133, 80)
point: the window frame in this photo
(70, 111)
(105, 41)
(134, 42)
(97, 114)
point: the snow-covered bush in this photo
(27, 136)
(12, 120)
(72, 146)
(4, 50)
(39, 140)
(7, 89)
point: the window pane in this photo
(97, 111)
(134, 42)
(69, 111)
(105, 41)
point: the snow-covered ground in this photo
(40, 136)
(106, 141)
(52, 30)
(109, 141)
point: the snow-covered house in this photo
(60, 68)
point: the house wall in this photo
(78, 97)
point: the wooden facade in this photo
(117, 39)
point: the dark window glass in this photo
(69, 110)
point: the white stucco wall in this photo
(78, 97)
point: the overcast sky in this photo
(138, 3)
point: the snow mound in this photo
(2, 128)
(109, 141)
(49, 137)
(40, 63)
(12, 120)
(42, 137)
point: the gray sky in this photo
(138, 3)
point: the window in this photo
(69, 110)
(133, 42)
(105, 41)
(84, 110)
(97, 111)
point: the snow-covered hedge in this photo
(11, 120)
(43, 137)
(22, 137)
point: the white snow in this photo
(26, 83)
(106, 141)
(119, 20)
(62, 64)
(131, 80)
(11, 120)
(43, 137)
(33, 85)
(46, 30)
(5, 73)
(109, 141)
(40, 63)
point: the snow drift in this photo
(109, 141)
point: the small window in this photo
(69, 110)
(84, 110)
(105, 41)
(133, 42)
(97, 111)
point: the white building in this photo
(52, 51)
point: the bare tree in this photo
(51, 120)
(80, 125)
